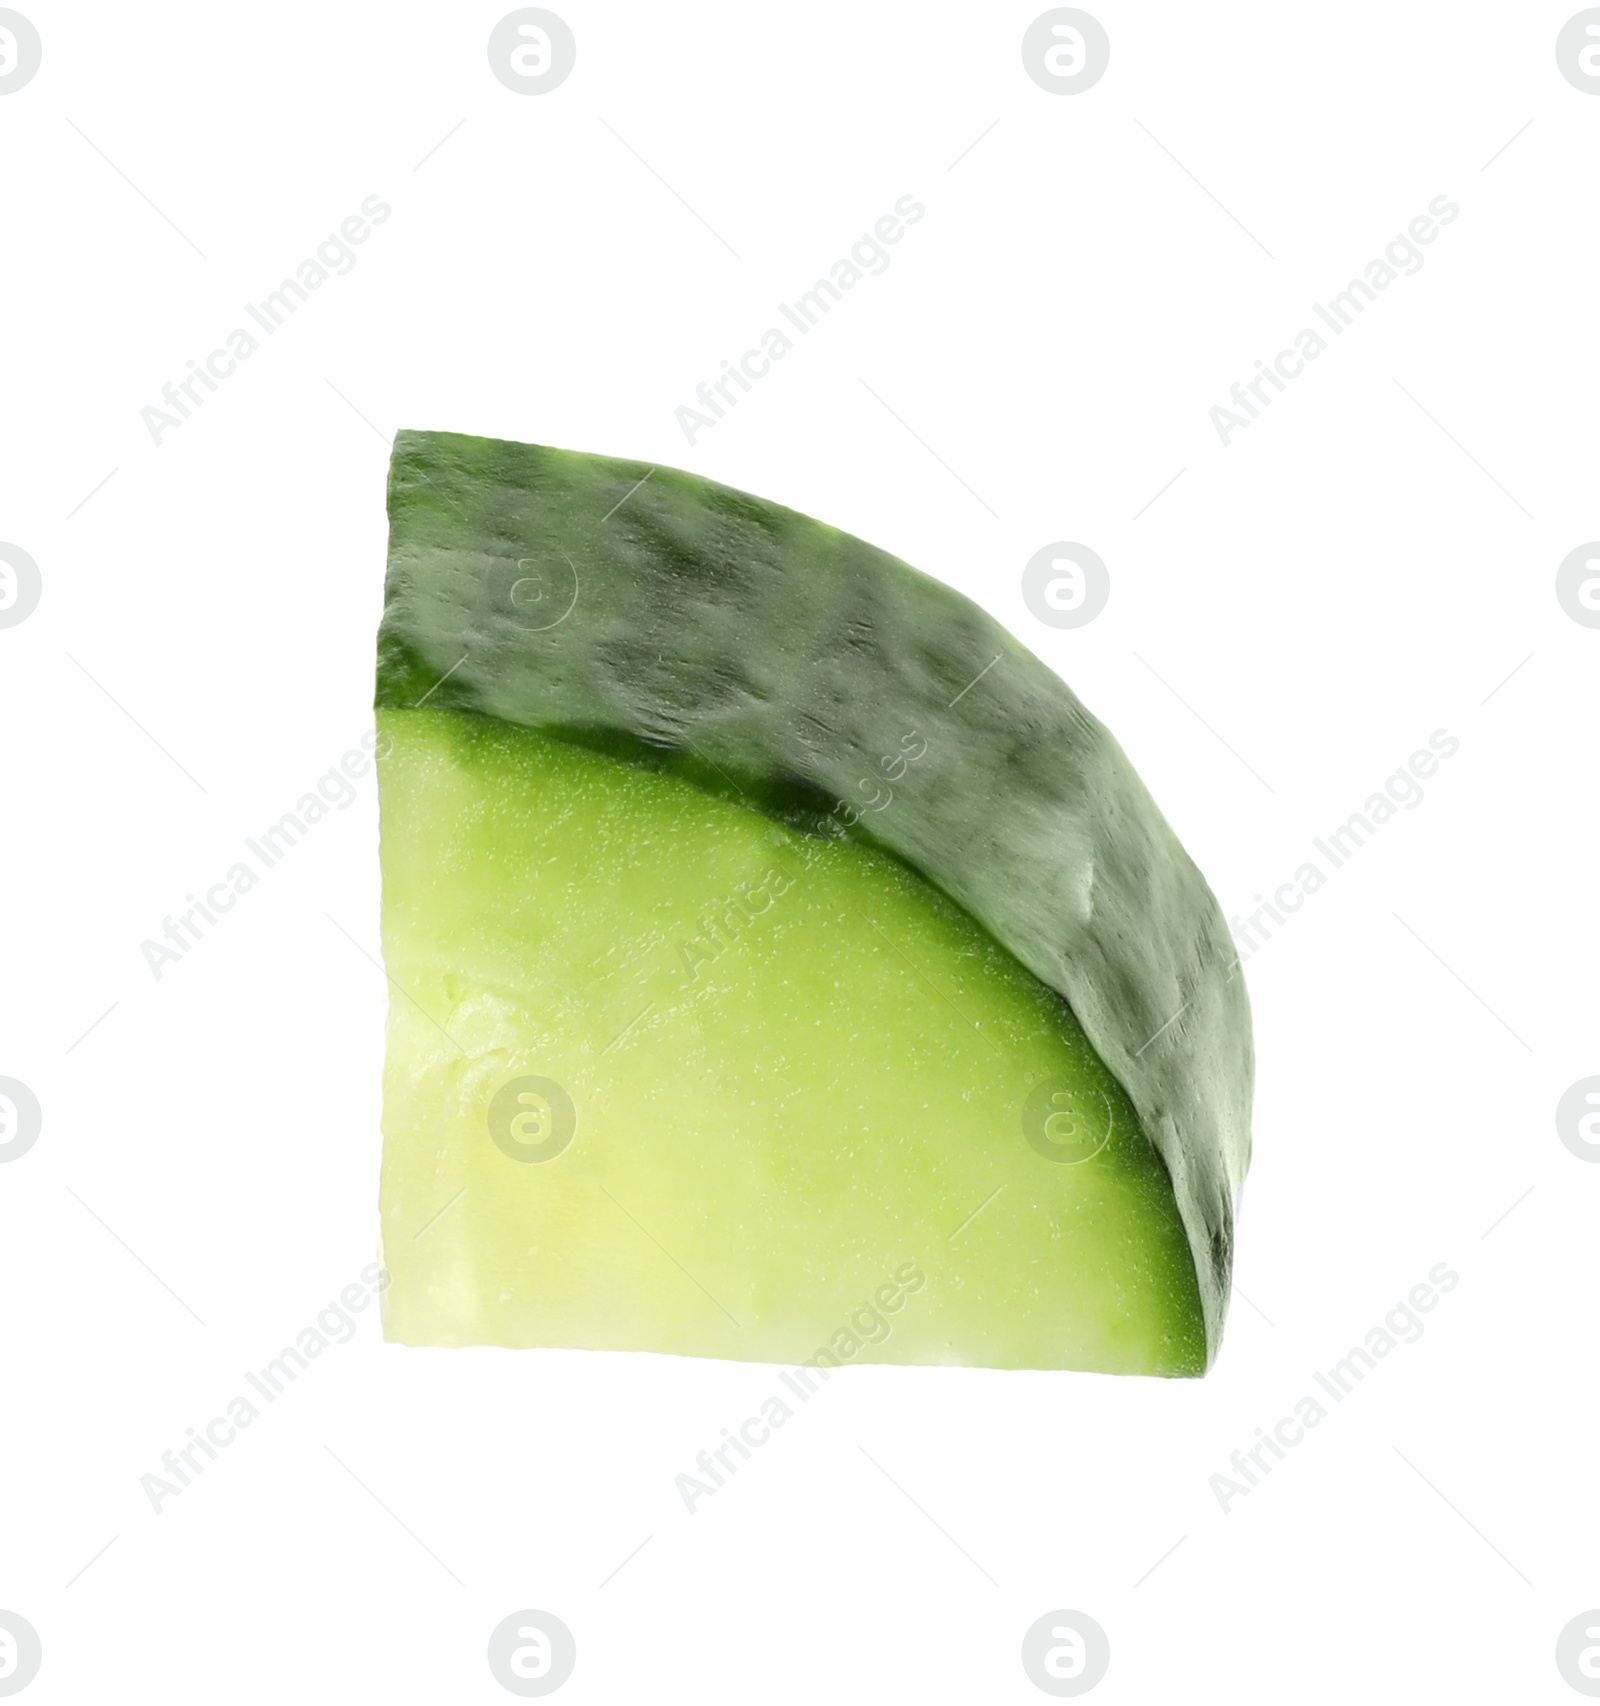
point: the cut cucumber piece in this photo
(770, 933)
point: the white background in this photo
(1326, 591)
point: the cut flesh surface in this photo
(665, 1074)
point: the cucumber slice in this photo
(770, 933)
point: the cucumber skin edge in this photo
(747, 646)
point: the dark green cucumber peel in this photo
(681, 625)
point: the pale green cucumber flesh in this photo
(800, 1076)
